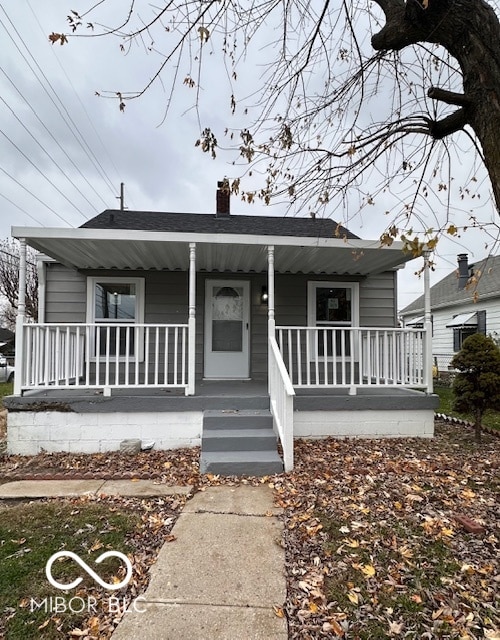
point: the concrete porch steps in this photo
(239, 442)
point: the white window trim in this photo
(139, 309)
(312, 285)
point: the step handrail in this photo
(281, 394)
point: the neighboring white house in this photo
(465, 302)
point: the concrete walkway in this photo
(221, 576)
(20, 489)
(217, 580)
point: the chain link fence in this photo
(442, 370)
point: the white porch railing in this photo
(281, 395)
(354, 357)
(104, 355)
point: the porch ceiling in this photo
(138, 250)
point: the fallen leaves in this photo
(373, 546)
(389, 559)
(175, 467)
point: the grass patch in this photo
(5, 390)
(29, 535)
(491, 419)
(389, 572)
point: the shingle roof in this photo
(210, 223)
(446, 292)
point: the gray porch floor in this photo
(218, 394)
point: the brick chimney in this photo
(463, 270)
(223, 199)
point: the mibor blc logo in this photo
(89, 570)
(88, 604)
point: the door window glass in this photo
(227, 319)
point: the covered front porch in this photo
(347, 366)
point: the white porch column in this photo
(271, 322)
(192, 320)
(427, 324)
(21, 312)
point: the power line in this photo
(82, 104)
(49, 156)
(81, 139)
(42, 174)
(53, 137)
(23, 210)
(36, 197)
(13, 255)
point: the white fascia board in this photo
(201, 238)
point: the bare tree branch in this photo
(9, 277)
(328, 116)
(450, 97)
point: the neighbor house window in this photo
(116, 303)
(460, 334)
(332, 304)
(465, 325)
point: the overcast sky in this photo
(64, 151)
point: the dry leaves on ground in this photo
(372, 546)
(176, 467)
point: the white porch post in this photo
(271, 321)
(192, 320)
(427, 324)
(21, 312)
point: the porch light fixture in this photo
(264, 296)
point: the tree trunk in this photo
(470, 31)
(477, 425)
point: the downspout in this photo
(271, 321)
(427, 325)
(190, 389)
(20, 319)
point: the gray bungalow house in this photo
(465, 302)
(229, 331)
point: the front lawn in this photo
(373, 549)
(30, 533)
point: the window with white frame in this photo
(332, 305)
(113, 302)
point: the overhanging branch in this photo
(439, 129)
(450, 97)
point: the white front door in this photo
(227, 328)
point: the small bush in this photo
(476, 387)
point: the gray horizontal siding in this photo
(377, 301)
(167, 302)
(65, 294)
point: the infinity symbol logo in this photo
(85, 566)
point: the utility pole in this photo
(121, 197)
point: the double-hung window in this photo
(115, 305)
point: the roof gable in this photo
(211, 223)
(446, 292)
